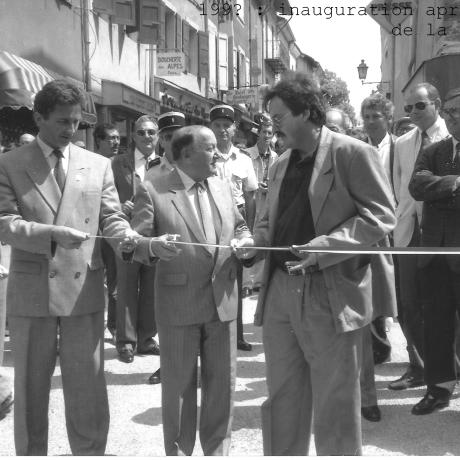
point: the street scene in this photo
(229, 227)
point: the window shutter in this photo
(151, 22)
(186, 44)
(124, 12)
(203, 54)
(103, 6)
(178, 32)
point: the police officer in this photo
(167, 123)
(235, 165)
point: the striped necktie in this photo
(58, 170)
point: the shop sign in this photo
(170, 63)
(243, 96)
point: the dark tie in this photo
(425, 141)
(457, 154)
(205, 213)
(58, 170)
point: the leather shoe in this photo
(246, 292)
(371, 413)
(243, 345)
(152, 349)
(431, 402)
(407, 380)
(155, 378)
(126, 355)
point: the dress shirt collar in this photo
(231, 153)
(385, 141)
(433, 129)
(139, 156)
(188, 182)
(48, 151)
(166, 163)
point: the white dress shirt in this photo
(140, 161)
(52, 159)
(384, 153)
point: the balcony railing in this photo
(277, 55)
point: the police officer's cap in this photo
(222, 111)
(170, 120)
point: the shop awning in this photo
(21, 79)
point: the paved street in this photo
(135, 428)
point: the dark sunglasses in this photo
(418, 105)
(145, 132)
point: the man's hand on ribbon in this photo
(163, 247)
(67, 237)
(309, 259)
(129, 242)
(241, 247)
(3, 272)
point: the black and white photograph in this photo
(229, 228)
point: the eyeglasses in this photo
(278, 118)
(418, 105)
(145, 132)
(112, 139)
(453, 113)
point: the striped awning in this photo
(21, 79)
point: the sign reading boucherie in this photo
(170, 63)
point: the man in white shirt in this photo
(236, 166)
(422, 106)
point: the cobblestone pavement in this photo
(135, 428)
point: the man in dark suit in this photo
(53, 195)
(436, 182)
(107, 142)
(135, 318)
(327, 190)
(195, 290)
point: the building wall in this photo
(50, 34)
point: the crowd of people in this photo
(171, 244)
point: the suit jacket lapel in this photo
(182, 203)
(276, 181)
(40, 173)
(74, 184)
(322, 177)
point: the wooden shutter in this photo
(178, 32)
(124, 12)
(151, 22)
(186, 44)
(103, 6)
(203, 54)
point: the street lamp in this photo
(362, 74)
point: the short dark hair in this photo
(432, 91)
(378, 101)
(57, 92)
(100, 132)
(300, 92)
(182, 138)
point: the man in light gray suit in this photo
(195, 290)
(53, 195)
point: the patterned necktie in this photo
(457, 154)
(205, 213)
(58, 170)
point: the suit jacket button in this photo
(86, 220)
(77, 275)
(52, 274)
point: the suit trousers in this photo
(110, 265)
(135, 305)
(215, 342)
(410, 312)
(367, 376)
(81, 356)
(441, 291)
(312, 371)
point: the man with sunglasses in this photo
(436, 182)
(422, 106)
(168, 123)
(135, 318)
